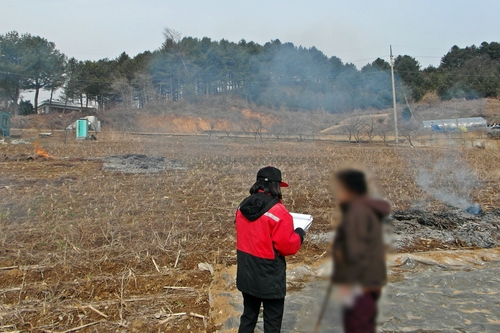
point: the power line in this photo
(374, 58)
(422, 48)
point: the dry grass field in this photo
(88, 250)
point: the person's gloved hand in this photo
(301, 233)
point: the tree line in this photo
(274, 75)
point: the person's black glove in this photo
(301, 233)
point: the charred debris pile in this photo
(415, 229)
(137, 163)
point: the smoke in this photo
(273, 75)
(448, 180)
(306, 79)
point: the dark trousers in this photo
(361, 318)
(273, 314)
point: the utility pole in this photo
(396, 134)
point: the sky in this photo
(357, 31)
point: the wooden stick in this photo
(8, 268)
(320, 256)
(154, 262)
(6, 327)
(172, 316)
(121, 300)
(173, 287)
(323, 307)
(177, 260)
(205, 322)
(78, 328)
(97, 311)
(192, 314)
(7, 290)
(177, 314)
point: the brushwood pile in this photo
(453, 227)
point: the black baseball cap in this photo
(271, 174)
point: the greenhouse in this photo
(463, 124)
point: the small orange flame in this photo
(40, 151)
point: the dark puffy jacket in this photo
(264, 236)
(359, 248)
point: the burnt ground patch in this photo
(419, 229)
(138, 163)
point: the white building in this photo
(58, 106)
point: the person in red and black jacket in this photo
(264, 236)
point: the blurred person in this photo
(360, 269)
(264, 236)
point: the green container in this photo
(4, 123)
(82, 129)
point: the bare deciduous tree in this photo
(212, 122)
(124, 90)
(297, 126)
(383, 130)
(171, 36)
(408, 129)
(256, 126)
(317, 121)
(278, 128)
(352, 127)
(146, 92)
(369, 127)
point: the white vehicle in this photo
(493, 132)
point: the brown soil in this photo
(181, 124)
(197, 124)
(79, 239)
(212, 119)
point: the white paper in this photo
(301, 221)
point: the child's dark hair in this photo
(353, 181)
(272, 188)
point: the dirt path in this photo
(439, 291)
